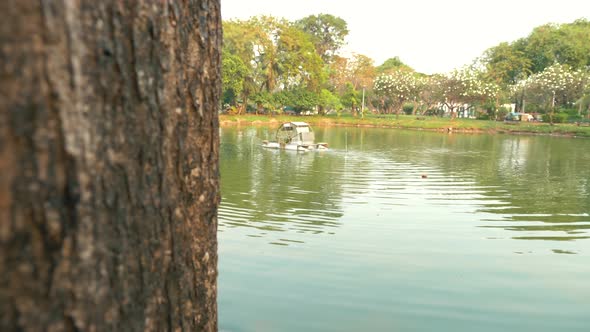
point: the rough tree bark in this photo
(109, 164)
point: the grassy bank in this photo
(416, 123)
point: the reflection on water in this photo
(404, 230)
(278, 191)
(534, 185)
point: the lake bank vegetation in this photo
(431, 123)
(280, 67)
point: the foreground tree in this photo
(108, 165)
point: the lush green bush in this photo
(569, 111)
(408, 109)
(575, 118)
(572, 113)
(562, 117)
(557, 117)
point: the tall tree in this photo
(109, 165)
(234, 77)
(265, 60)
(240, 40)
(565, 44)
(338, 75)
(506, 65)
(328, 33)
(297, 62)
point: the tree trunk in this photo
(109, 165)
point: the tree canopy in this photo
(327, 33)
(269, 62)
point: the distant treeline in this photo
(274, 65)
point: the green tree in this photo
(265, 61)
(505, 65)
(328, 101)
(275, 54)
(546, 45)
(392, 64)
(302, 100)
(351, 98)
(540, 47)
(263, 100)
(584, 103)
(552, 43)
(240, 40)
(234, 77)
(328, 33)
(297, 62)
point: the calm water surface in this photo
(495, 238)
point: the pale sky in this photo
(430, 36)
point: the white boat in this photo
(297, 136)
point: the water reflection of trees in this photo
(276, 191)
(537, 185)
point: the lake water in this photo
(494, 237)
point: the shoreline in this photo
(433, 124)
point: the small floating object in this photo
(424, 176)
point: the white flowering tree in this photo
(450, 90)
(478, 90)
(396, 88)
(465, 88)
(429, 94)
(557, 85)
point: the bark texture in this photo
(109, 165)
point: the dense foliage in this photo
(275, 65)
